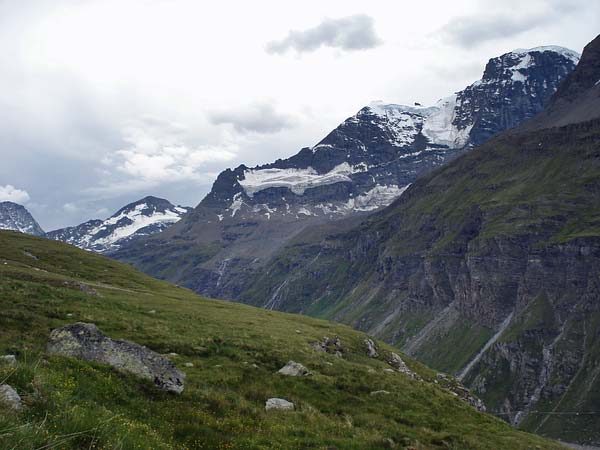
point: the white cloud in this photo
(12, 194)
(347, 33)
(254, 118)
(157, 153)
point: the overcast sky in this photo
(106, 101)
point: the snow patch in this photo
(567, 53)
(376, 198)
(296, 180)
(236, 204)
(434, 122)
(138, 221)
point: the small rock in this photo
(70, 315)
(380, 392)
(82, 287)
(278, 404)
(189, 364)
(298, 331)
(153, 311)
(8, 360)
(86, 342)
(389, 370)
(294, 369)
(29, 255)
(334, 347)
(172, 354)
(371, 348)
(397, 363)
(9, 397)
(255, 366)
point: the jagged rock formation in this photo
(16, 217)
(488, 268)
(361, 166)
(85, 341)
(145, 217)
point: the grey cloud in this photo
(471, 31)
(347, 33)
(255, 118)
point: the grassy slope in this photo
(74, 404)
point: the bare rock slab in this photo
(86, 342)
(278, 404)
(294, 369)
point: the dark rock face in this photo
(145, 217)
(361, 166)
(16, 217)
(84, 341)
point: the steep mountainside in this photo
(488, 268)
(362, 165)
(147, 216)
(230, 354)
(16, 217)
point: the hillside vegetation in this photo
(235, 351)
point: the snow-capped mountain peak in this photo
(147, 216)
(16, 217)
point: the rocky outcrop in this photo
(371, 348)
(398, 363)
(294, 369)
(333, 346)
(85, 341)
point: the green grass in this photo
(235, 350)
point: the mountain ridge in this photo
(143, 217)
(359, 167)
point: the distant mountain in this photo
(16, 217)
(361, 166)
(487, 268)
(144, 217)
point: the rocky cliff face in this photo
(16, 217)
(487, 268)
(361, 166)
(145, 217)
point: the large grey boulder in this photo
(278, 404)
(294, 369)
(9, 397)
(85, 341)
